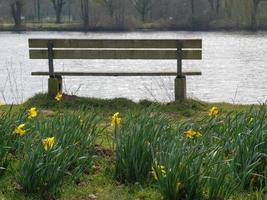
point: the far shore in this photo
(76, 27)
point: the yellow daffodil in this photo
(192, 134)
(154, 174)
(162, 169)
(32, 113)
(189, 134)
(58, 97)
(214, 111)
(20, 130)
(162, 172)
(116, 120)
(179, 186)
(198, 134)
(48, 143)
(81, 122)
(147, 143)
(251, 120)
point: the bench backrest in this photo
(115, 49)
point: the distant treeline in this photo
(136, 14)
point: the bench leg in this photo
(180, 88)
(54, 86)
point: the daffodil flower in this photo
(32, 113)
(189, 133)
(58, 97)
(48, 143)
(214, 111)
(116, 120)
(192, 134)
(162, 169)
(179, 186)
(154, 174)
(162, 172)
(20, 130)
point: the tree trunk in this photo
(85, 12)
(192, 13)
(143, 7)
(58, 17)
(215, 5)
(16, 10)
(58, 6)
(110, 5)
(254, 24)
(119, 7)
(38, 10)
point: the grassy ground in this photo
(100, 183)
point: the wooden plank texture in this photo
(116, 54)
(189, 73)
(99, 43)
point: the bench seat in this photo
(188, 73)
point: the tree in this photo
(16, 11)
(254, 13)
(143, 7)
(58, 6)
(119, 13)
(215, 5)
(110, 4)
(37, 6)
(85, 12)
(192, 3)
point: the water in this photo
(234, 68)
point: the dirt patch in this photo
(66, 97)
(103, 152)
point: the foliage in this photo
(209, 159)
(136, 139)
(217, 155)
(53, 148)
(8, 121)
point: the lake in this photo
(234, 68)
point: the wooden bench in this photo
(115, 49)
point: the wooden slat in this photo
(99, 43)
(191, 73)
(116, 54)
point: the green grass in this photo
(100, 182)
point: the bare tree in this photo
(143, 7)
(254, 24)
(16, 11)
(37, 6)
(58, 6)
(110, 4)
(192, 4)
(215, 5)
(85, 12)
(119, 13)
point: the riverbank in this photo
(77, 27)
(99, 182)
